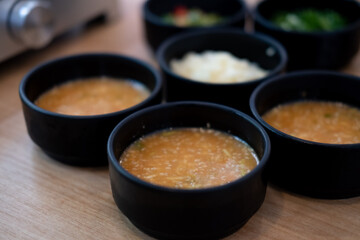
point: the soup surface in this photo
(189, 158)
(93, 96)
(318, 121)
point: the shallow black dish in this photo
(258, 48)
(310, 50)
(169, 213)
(310, 168)
(81, 140)
(156, 31)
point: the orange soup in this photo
(93, 96)
(318, 121)
(189, 158)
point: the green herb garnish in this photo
(139, 145)
(167, 133)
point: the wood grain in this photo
(43, 199)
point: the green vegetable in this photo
(309, 20)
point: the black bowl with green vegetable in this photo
(164, 18)
(316, 34)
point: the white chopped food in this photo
(216, 67)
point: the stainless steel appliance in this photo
(32, 24)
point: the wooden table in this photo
(43, 199)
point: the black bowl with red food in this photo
(163, 18)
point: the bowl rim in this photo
(80, 57)
(132, 178)
(287, 77)
(155, 19)
(260, 19)
(233, 31)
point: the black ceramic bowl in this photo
(81, 140)
(321, 50)
(263, 50)
(156, 30)
(169, 213)
(306, 167)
